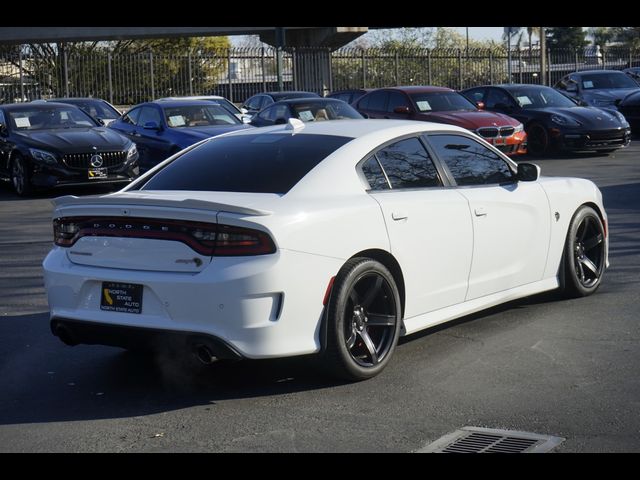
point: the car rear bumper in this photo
(262, 307)
(73, 332)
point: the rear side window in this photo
(375, 176)
(470, 162)
(260, 163)
(408, 165)
(378, 101)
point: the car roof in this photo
(289, 92)
(177, 103)
(191, 97)
(63, 99)
(30, 105)
(307, 100)
(355, 128)
(419, 89)
(590, 72)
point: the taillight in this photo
(204, 238)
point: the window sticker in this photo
(64, 116)
(587, 84)
(524, 100)
(23, 122)
(306, 116)
(177, 121)
(423, 106)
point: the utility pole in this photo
(509, 53)
(543, 56)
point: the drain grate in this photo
(486, 440)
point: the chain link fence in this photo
(238, 73)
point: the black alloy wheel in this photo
(364, 320)
(584, 254)
(537, 140)
(20, 176)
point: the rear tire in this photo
(363, 320)
(584, 254)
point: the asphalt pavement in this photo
(567, 368)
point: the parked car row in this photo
(587, 110)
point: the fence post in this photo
(397, 72)
(229, 74)
(630, 58)
(429, 66)
(459, 69)
(330, 62)
(66, 74)
(604, 59)
(491, 68)
(364, 70)
(153, 85)
(549, 67)
(21, 73)
(520, 64)
(190, 74)
(294, 67)
(264, 72)
(576, 61)
(110, 78)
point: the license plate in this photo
(121, 297)
(95, 173)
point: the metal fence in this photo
(238, 73)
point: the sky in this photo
(482, 33)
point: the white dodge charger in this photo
(332, 238)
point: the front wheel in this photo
(364, 319)
(538, 142)
(21, 176)
(584, 253)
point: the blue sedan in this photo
(162, 128)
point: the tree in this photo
(566, 37)
(628, 36)
(82, 68)
(601, 35)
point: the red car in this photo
(444, 105)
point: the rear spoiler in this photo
(144, 200)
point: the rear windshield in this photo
(260, 163)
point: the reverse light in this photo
(209, 239)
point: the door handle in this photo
(480, 212)
(399, 216)
(135, 134)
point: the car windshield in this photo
(199, 116)
(442, 102)
(317, 111)
(48, 117)
(258, 163)
(595, 81)
(531, 98)
(95, 108)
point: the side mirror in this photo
(480, 105)
(528, 172)
(101, 121)
(572, 88)
(246, 119)
(402, 109)
(280, 121)
(244, 110)
(364, 115)
(3, 129)
(151, 126)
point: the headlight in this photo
(564, 121)
(619, 116)
(42, 156)
(519, 128)
(132, 152)
(599, 102)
